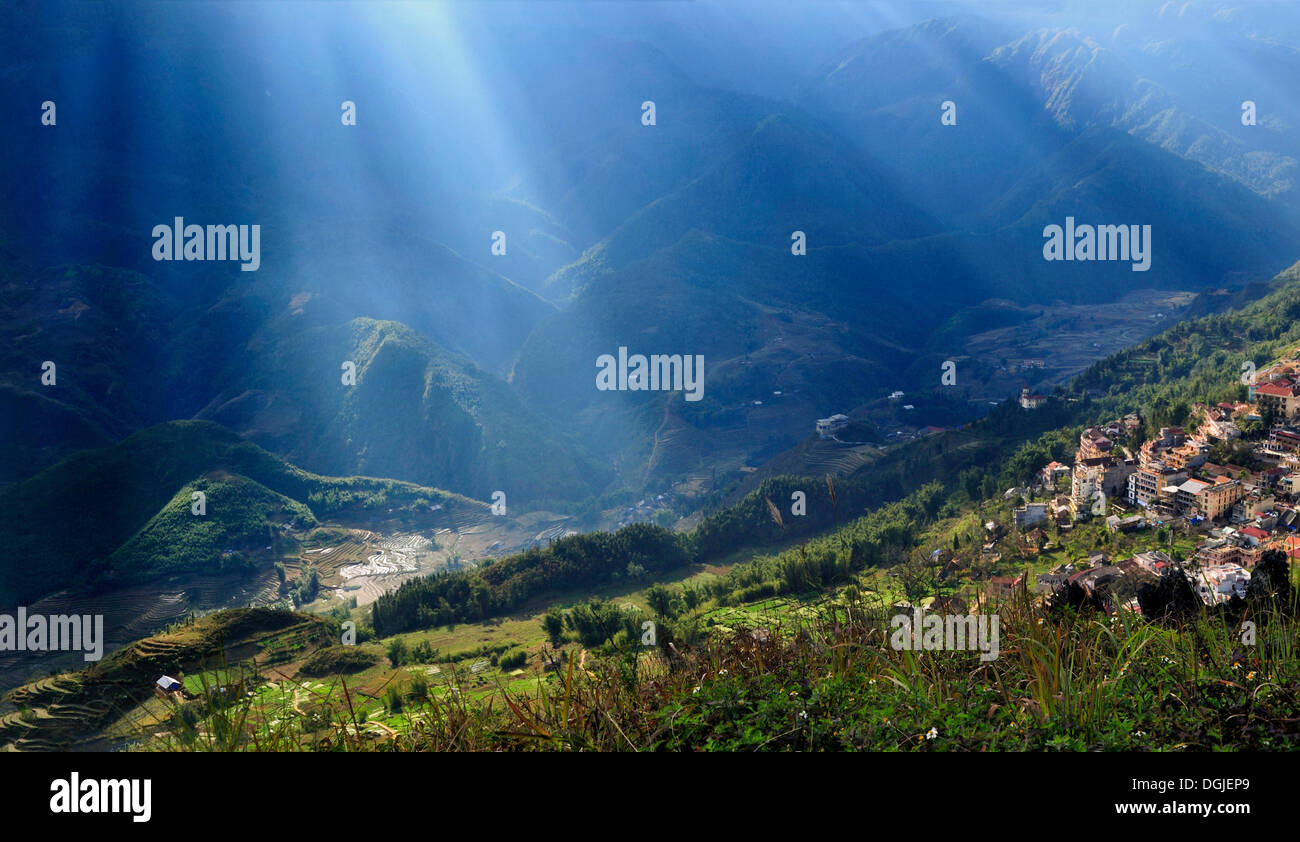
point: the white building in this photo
(1029, 401)
(827, 427)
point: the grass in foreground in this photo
(1067, 680)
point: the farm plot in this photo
(133, 612)
(398, 554)
(367, 563)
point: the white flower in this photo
(931, 734)
(803, 714)
(696, 690)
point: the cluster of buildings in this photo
(1214, 583)
(1241, 512)
(646, 510)
(1221, 564)
(1238, 511)
(1172, 475)
(1100, 472)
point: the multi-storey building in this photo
(1217, 500)
(1284, 439)
(1106, 475)
(1281, 397)
(1213, 500)
(1222, 551)
(1094, 444)
(1190, 454)
(1144, 484)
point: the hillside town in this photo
(1237, 508)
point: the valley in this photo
(1061, 340)
(542, 425)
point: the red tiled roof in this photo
(1281, 389)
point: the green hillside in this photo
(68, 524)
(104, 329)
(240, 514)
(792, 630)
(1196, 360)
(73, 710)
(1201, 361)
(416, 412)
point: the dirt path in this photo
(391, 732)
(654, 451)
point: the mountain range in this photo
(475, 370)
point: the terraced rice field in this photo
(367, 563)
(45, 721)
(329, 561)
(88, 710)
(134, 612)
(399, 554)
(837, 460)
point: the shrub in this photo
(333, 660)
(393, 699)
(513, 660)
